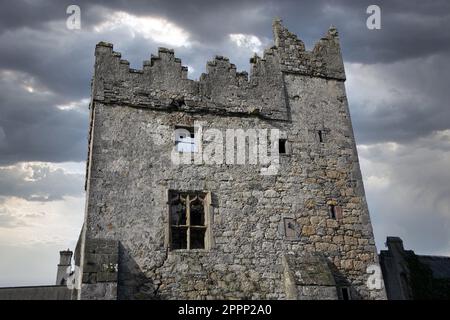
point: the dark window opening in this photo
(345, 294)
(178, 211)
(197, 213)
(187, 220)
(179, 238)
(320, 133)
(282, 146)
(332, 211)
(197, 238)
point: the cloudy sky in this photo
(397, 82)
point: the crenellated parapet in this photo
(166, 72)
(221, 82)
(162, 75)
(163, 83)
(261, 93)
(325, 60)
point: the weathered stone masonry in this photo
(268, 236)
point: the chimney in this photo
(395, 245)
(64, 267)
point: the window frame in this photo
(207, 212)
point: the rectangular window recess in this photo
(188, 218)
(282, 146)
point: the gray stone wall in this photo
(100, 269)
(37, 293)
(134, 114)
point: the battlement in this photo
(324, 60)
(164, 79)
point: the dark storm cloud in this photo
(409, 192)
(37, 182)
(35, 42)
(58, 63)
(400, 101)
(409, 28)
(33, 128)
(397, 86)
(205, 19)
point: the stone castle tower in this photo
(156, 229)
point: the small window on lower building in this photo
(282, 146)
(188, 212)
(345, 293)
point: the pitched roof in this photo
(440, 266)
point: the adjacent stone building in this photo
(414, 277)
(295, 226)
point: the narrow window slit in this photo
(345, 293)
(282, 146)
(332, 211)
